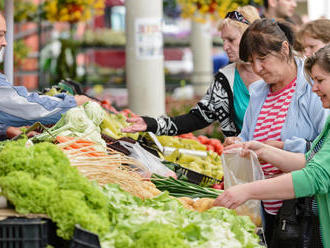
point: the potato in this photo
(187, 202)
(203, 204)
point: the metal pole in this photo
(9, 55)
(144, 57)
(201, 46)
(41, 79)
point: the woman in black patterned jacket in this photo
(227, 97)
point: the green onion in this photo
(180, 188)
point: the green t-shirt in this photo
(241, 99)
(314, 179)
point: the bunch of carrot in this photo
(211, 144)
(82, 146)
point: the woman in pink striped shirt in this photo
(283, 111)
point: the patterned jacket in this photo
(216, 105)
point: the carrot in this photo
(63, 139)
(79, 142)
(85, 142)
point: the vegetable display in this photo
(45, 178)
(210, 143)
(112, 125)
(210, 166)
(163, 222)
(82, 121)
(177, 142)
(39, 179)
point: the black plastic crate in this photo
(191, 176)
(198, 178)
(54, 240)
(84, 239)
(23, 233)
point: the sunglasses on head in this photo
(235, 15)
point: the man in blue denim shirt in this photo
(18, 107)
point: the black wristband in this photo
(151, 124)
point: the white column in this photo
(144, 57)
(201, 45)
(318, 9)
(9, 54)
(327, 9)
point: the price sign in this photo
(148, 38)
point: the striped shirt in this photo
(268, 127)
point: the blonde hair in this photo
(249, 12)
(317, 29)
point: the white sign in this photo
(148, 38)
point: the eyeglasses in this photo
(235, 15)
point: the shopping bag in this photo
(150, 163)
(239, 170)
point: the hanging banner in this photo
(148, 38)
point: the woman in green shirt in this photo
(306, 175)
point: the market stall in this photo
(125, 190)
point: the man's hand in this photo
(81, 99)
(14, 131)
(138, 125)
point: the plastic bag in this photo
(238, 170)
(150, 163)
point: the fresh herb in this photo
(39, 179)
(181, 188)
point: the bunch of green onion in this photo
(180, 188)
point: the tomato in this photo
(203, 139)
(220, 151)
(218, 148)
(214, 142)
(217, 186)
(187, 136)
(210, 148)
(105, 101)
(128, 113)
(222, 184)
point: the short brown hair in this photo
(265, 36)
(321, 58)
(318, 29)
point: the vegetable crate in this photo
(84, 239)
(23, 233)
(197, 178)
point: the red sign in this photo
(114, 2)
